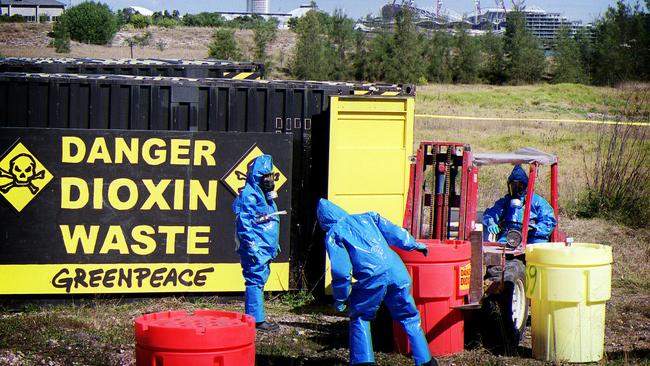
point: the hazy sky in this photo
(585, 10)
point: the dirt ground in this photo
(99, 331)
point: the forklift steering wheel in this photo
(514, 235)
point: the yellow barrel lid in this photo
(578, 254)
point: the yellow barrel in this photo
(568, 287)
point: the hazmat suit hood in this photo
(262, 165)
(519, 174)
(259, 167)
(329, 214)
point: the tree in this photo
(140, 40)
(494, 63)
(405, 64)
(90, 22)
(568, 61)
(465, 64)
(223, 45)
(360, 64)
(310, 55)
(264, 32)
(61, 41)
(204, 19)
(585, 45)
(622, 45)
(525, 55)
(380, 53)
(438, 52)
(140, 21)
(341, 39)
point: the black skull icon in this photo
(243, 175)
(22, 171)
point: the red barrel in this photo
(440, 281)
(204, 338)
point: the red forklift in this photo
(442, 204)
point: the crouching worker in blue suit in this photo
(258, 232)
(358, 247)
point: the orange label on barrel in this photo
(464, 276)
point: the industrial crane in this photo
(502, 3)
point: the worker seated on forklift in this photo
(508, 212)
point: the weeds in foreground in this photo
(297, 298)
(618, 177)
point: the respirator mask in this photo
(516, 203)
(268, 186)
(516, 188)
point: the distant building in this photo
(542, 24)
(33, 10)
(140, 10)
(257, 6)
(545, 26)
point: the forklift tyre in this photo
(505, 314)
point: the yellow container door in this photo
(371, 142)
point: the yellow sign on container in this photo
(568, 287)
(371, 141)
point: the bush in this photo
(61, 41)
(224, 46)
(310, 54)
(139, 40)
(204, 19)
(12, 19)
(167, 23)
(618, 180)
(89, 22)
(264, 32)
(140, 21)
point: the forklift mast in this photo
(443, 192)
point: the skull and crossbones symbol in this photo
(22, 171)
(242, 176)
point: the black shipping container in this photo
(150, 103)
(139, 67)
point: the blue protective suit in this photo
(258, 238)
(358, 247)
(542, 217)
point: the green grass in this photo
(534, 101)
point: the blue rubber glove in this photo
(422, 248)
(339, 306)
(494, 229)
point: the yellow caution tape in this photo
(646, 124)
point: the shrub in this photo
(140, 21)
(12, 19)
(310, 54)
(224, 46)
(61, 41)
(139, 40)
(167, 23)
(264, 32)
(204, 19)
(618, 180)
(89, 22)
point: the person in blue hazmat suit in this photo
(358, 247)
(508, 211)
(257, 228)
